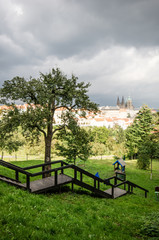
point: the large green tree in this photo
(148, 150)
(138, 132)
(44, 96)
(74, 142)
(100, 136)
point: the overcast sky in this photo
(113, 44)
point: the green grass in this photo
(79, 215)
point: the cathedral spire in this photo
(118, 102)
(123, 103)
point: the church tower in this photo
(129, 104)
(125, 104)
(118, 102)
(122, 103)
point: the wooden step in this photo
(118, 192)
(93, 189)
(45, 184)
(12, 182)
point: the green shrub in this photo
(150, 226)
(143, 161)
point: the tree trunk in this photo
(48, 141)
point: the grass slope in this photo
(79, 215)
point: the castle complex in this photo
(122, 114)
(125, 105)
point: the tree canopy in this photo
(74, 143)
(44, 96)
(138, 133)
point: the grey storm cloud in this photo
(112, 44)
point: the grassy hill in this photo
(81, 215)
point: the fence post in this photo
(98, 185)
(28, 182)
(17, 176)
(75, 174)
(115, 180)
(128, 188)
(131, 189)
(72, 187)
(81, 176)
(94, 183)
(56, 177)
(43, 169)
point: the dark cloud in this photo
(113, 44)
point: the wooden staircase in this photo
(76, 176)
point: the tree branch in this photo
(57, 129)
(64, 106)
(36, 126)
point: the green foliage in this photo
(143, 161)
(148, 150)
(100, 134)
(150, 225)
(100, 137)
(143, 122)
(44, 96)
(116, 140)
(118, 133)
(131, 140)
(74, 142)
(108, 141)
(137, 133)
(98, 149)
(9, 132)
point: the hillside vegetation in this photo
(79, 214)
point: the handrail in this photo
(87, 173)
(13, 167)
(117, 185)
(9, 178)
(51, 170)
(131, 184)
(23, 170)
(17, 170)
(135, 185)
(43, 164)
(75, 168)
(106, 179)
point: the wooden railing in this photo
(127, 183)
(64, 166)
(17, 171)
(76, 171)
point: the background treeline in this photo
(140, 140)
(104, 141)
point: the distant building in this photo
(122, 114)
(125, 104)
